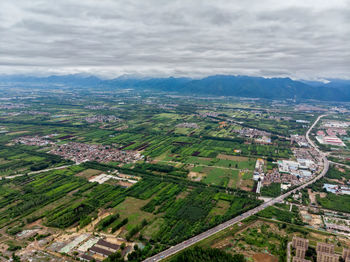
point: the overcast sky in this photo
(307, 39)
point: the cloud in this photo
(300, 38)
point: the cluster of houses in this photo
(300, 140)
(80, 152)
(96, 107)
(188, 125)
(3, 130)
(209, 114)
(259, 136)
(101, 119)
(286, 180)
(10, 106)
(34, 140)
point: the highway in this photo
(189, 242)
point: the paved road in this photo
(189, 242)
(339, 164)
(37, 172)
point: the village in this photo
(81, 152)
(102, 119)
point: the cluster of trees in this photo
(264, 238)
(98, 196)
(107, 221)
(282, 215)
(38, 190)
(199, 254)
(162, 168)
(163, 199)
(47, 159)
(119, 225)
(71, 214)
(152, 181)
(189, 216)
(335, 202)
(318, 185)
(334, 173)
(136, 229)
(272, 190)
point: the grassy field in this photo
(131, 209)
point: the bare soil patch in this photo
(262, 257)
(88, 173)
(195, 176)
(233, 158)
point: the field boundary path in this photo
(339, 164)
(191, 241)
(37, 172)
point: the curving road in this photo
(173, 250)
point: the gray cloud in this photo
(300, 38)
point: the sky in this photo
(301, 39)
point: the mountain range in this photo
(218, 85)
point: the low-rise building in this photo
(100, 251)
(107, 245)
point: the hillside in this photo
(219, 85)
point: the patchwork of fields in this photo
(194, 170)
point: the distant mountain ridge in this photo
(218, 85)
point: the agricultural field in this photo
(154, 210)
(260, 239)
(148, 168)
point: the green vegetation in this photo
(334, 173)
(335, 202)
(272, 190)
(282, 214)
(196, 171)
(104, 223)
(206, 255)
(21, 159)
